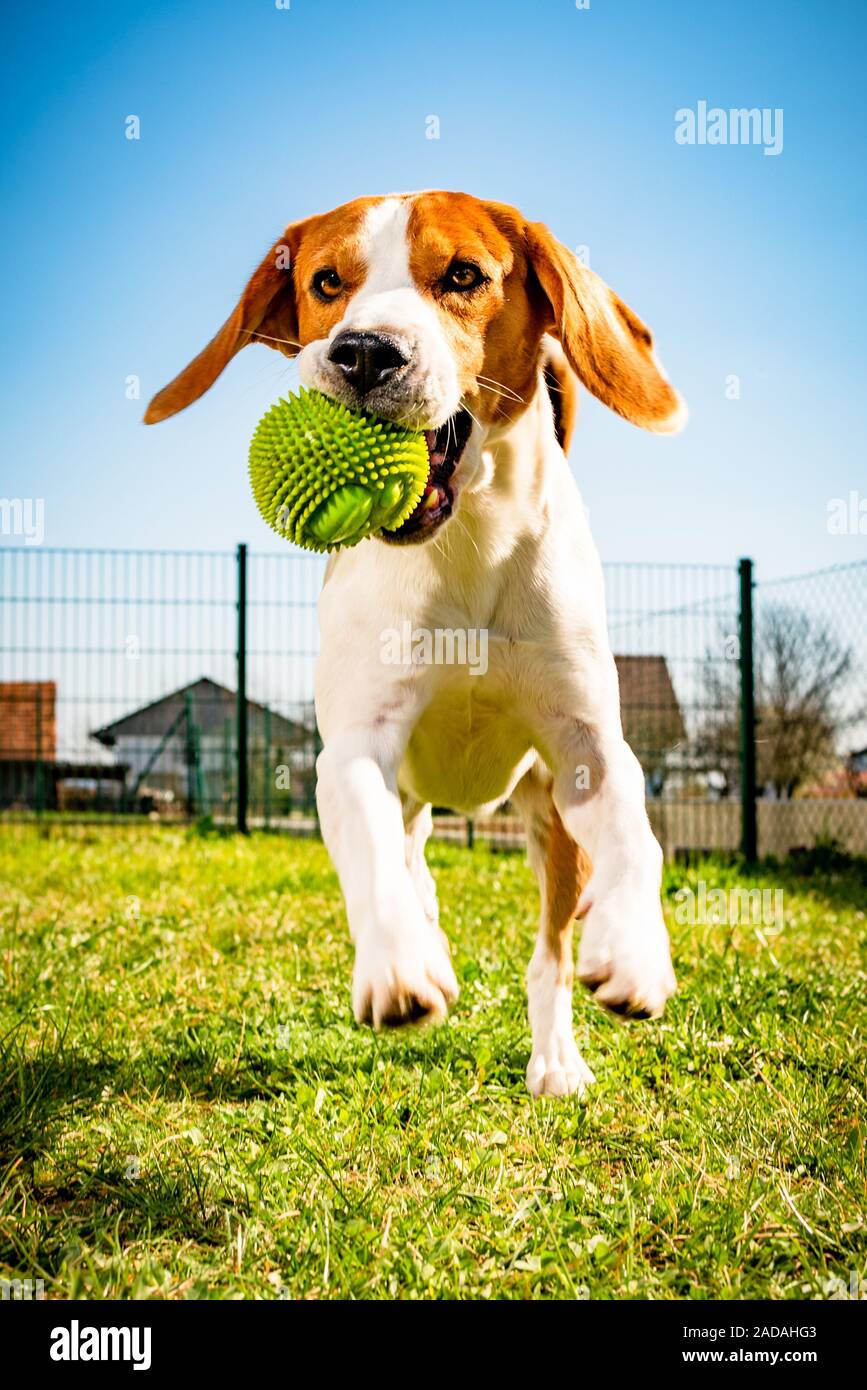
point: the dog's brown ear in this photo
(607, 345)
(264, 313)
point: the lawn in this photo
(187, 1109)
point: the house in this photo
(28, 739)
(182, 747)
(28, 723)
(653, 724)
(31, 776)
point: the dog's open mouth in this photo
(445, 447)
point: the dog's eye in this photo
(463, 275)
(327, 284)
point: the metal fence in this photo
(130, 681)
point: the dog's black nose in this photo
(367, 360)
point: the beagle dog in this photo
(458, 317)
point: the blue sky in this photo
(123, 257)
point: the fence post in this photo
(241, 751)
(749, 832)
(195, 798)
(227, 764)
(266, 783)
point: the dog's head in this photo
(430, 308)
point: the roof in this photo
(652, 717)
(212, 705)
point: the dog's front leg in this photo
(624, 956)
(402, 970)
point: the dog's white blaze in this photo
(385, 248)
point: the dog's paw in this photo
(624, 957)
(559, 1070)
(407, 980)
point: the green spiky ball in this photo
(326, 476)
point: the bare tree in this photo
(800, 671)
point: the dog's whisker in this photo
(499, 409)
(438, 543)
(269, 376)
(506, 390)
(493, 390)
(467, 532)
(499, 395)
(254, 333)
(480, 376)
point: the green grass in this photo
(187, 1109)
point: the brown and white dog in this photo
(441, 310)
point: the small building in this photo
(28, 740)
(181, 749)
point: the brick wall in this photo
(25, 707)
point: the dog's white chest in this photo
(470, 745)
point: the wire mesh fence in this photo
(674, 631)
(282, 643)
(119, 695)
(810, 665)
(117, 671)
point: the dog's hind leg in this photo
(556, 1067)
(418, 823)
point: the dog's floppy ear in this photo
(607, 345)
(264, 313)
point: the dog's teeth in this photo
(432, 500)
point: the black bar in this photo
(60, 1339)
